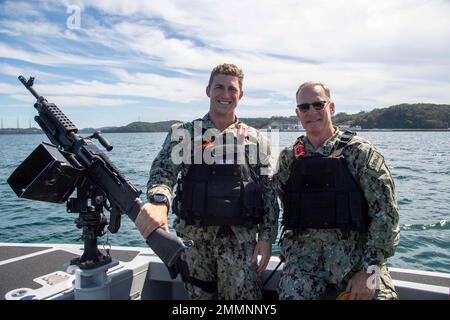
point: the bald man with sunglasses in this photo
(340, 213)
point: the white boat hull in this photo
(37, 271)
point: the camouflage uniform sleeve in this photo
(283, 170)
(268, 229)
(379, 189)
(164, 172)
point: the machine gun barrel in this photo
(29, 84)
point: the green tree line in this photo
(402, 116)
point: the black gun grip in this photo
(168, 247)
(105, 143)
(114, 220)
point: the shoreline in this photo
(38, 131)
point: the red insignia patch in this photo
(242, 130)
(299, 150)
(206, 144)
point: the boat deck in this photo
(38, 271)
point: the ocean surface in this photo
(419, 162)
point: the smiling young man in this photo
(340, 214)
(225, 201)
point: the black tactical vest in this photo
(321, 193)
(219, 194)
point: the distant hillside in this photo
(403, 116)
(20, 131)
(162, 126)
(272, 122)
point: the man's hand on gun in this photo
(151, 216)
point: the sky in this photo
(109, 63)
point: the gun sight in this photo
(29, 84)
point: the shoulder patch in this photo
(375, 161)
(176, 125)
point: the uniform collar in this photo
(208, 124)
(327, 147)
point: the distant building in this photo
(288, 127)
(350, 128)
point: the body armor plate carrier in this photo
(220, 194)
(321, 193)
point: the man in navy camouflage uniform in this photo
(230, 211)
(340, 215)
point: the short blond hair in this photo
(229, 70)
(312, 84)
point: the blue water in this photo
(419, 162)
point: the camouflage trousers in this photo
(318, 266)
(227, 263)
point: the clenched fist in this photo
(151, 216)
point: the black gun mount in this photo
(53, 171)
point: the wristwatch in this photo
(159, 198)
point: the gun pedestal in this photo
(91, 281)
(92, 220)
(92, 284)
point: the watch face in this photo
(159, 198)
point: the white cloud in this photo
(371, 54)
(19, 9)
(257, 102)
(14, 71)
(318, 30)
(10, 70)
(50, 57)
(356, 44)
(78, 101)
(142, 85)
(34, 28)
(9, 89)
(173, 9)
(155, 87)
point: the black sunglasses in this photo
(318, 105)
